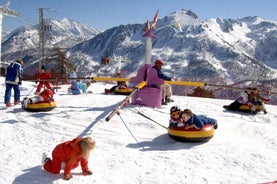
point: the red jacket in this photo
(45, 75)
(70, 153)
(47, 95)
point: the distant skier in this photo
(71, 153)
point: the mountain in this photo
(24, 41)
(222, 49)
(5, 34)
(234, 49)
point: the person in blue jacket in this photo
(197, 121)
(167, 91)
(13, 79)
(79, 88)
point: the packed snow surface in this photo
(243, 149)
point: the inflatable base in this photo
(246, 108)
(40, 106)
(192, 135)
(123, 91)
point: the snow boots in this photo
(44, 159)
(107, 91)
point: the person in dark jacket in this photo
(119, 85)
(245, 97)
(192, 120)
(166, 88)
(13, 80)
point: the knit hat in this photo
(157, 62)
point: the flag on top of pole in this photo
(147, 28)
(154, 22)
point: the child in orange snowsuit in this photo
(71, 153)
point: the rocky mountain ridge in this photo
(226, 49)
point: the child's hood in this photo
(74, 144)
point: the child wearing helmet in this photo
(175, 117)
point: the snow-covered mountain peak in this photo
(72, 26)
(231, 49)
(184, 17)
(62, 33)
(187, 13)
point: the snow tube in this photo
(246, 108)
(192, 134)
(123, 91)
(40, 106)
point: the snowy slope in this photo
(243, 149)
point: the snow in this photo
(243, 149)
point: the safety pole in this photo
(126, 100)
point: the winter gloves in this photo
(85, 173)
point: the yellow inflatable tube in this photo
(192, 134)
(41, 106)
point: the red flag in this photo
(154, 22)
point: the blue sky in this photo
(104, 14)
